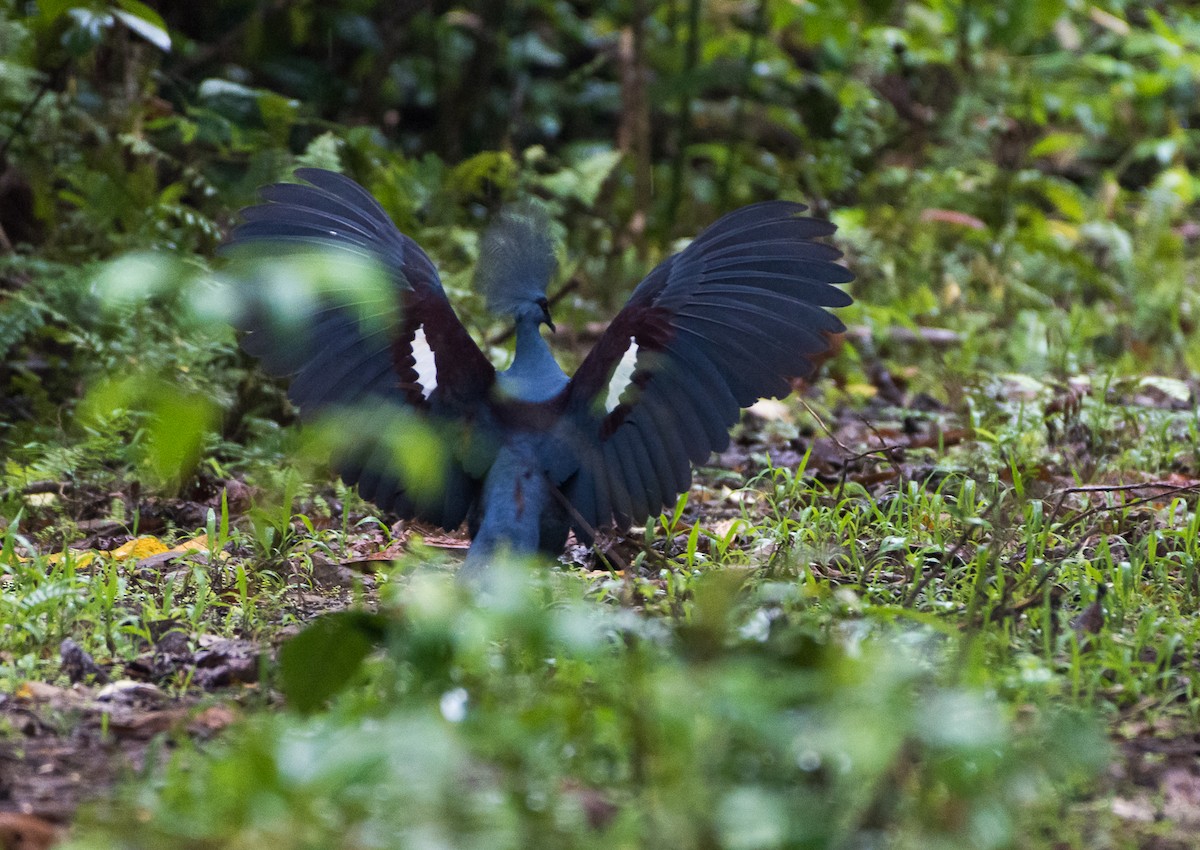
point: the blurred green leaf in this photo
(319, 662)
(1058, 143)
(582, 181)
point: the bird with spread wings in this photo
(530, 453)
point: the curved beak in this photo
(546, 316)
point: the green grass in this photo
(116, 612)
(540, 718)
(885, 653)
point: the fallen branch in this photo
(1169, 490)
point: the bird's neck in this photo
(534, 374)
(532, 350)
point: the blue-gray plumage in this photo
(532, 454)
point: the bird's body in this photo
(517, 508)
(532, 454)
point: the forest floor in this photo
(1023, 524)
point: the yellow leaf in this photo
(723, 529)
(196, 544)
(82, 557)
(141, 547)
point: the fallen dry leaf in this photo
(196, 544)
(212, 720)
(139, 547)
(26, 832)
(366, 561)
(728, 528)
(446, 541)
(41, 692)
(81, 557)
(145, 725)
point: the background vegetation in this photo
(883, 640)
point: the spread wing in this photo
(730, 319)
(408, 351)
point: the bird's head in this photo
(516, 261)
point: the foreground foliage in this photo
(535, 718)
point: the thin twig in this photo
(1170, 491)
(828, 431)
(887, 450)
(586, 526)
(1117, 488)
(1092, 488)
(848, 455)
(1078, 545)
